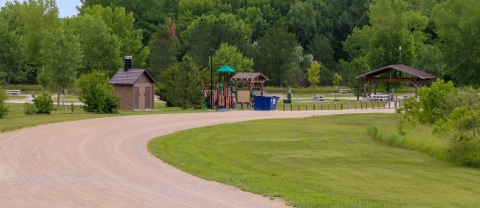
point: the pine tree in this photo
(186, 91)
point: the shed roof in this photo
(249, 76)
(129, 77)
(399, 67)
(226, 69)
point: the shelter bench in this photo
(13, 92)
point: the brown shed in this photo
(248, 84)
(135, 87)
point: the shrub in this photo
(97, 94)
(29, 108)
(43, 103)
(3, 108)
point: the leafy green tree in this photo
(314, 75)
(39, 18)
(321, 50)
(208, 32)
(121, 24)
(254, 18)
(3, 108)
(227, 54)
(101, 49)
(164, 47)
(458, 22)
(336, 81)
(187, 86)
(63, 56)
(166, 84)
(431, 101)
(275, 54)
(302, 21)
(12, 61)
(147, 13)
(97, 94)
(357, 67)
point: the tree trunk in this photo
(58, 98)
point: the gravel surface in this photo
(104, 163)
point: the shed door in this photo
(136, 102)
(147, 98)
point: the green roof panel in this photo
(226, 69)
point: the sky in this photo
(66, 7)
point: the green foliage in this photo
(274, 54)
(3, 108)
(357, 67)
(336, 79)
(186, 88)
(43, 103)
(314, 74)
(230, 55)
(411, 110)
(64, 58)
(464, 127)
(97, 94)
(121, 24)
(321, 50)
(457, 23)
(100, 49)
(401, 127)
(29, 108)
(164, 47)
(431, 98)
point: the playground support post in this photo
(212, 52)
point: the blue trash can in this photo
(266, 103)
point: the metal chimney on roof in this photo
(128, 63)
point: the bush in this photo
(43, 103)
(29, 108)
(97, 94)
(3, 108)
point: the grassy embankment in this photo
(324, 162)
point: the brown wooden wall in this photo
(126, 96)
(141, 87)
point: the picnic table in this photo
(13, 92)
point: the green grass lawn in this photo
(320, 161)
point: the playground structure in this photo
(247, 86)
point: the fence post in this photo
(284, 106)
(306, 107)
(314, 106)
(348, 105)
(291, 107)
(298, 106)
(321, 105)
(329, 106)
(361, 105)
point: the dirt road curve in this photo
(104, 163)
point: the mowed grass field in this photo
(323, 161)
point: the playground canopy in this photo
(416, 77)
(226, 69)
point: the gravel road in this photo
(104, 163)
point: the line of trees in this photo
(280, 38)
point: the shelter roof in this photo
(398, 67)
(249, 76)
(226, 69)
(129, 77)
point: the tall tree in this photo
(275, 54)
(164, 47)
(63, 56)
(357, 67)
(122, 25)
(314, 75)
(230, 55)
(187, 86)
(40, 18)
(101, 49)
(12, 63)
(458, 26)
(321, 50)
(302, 21)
